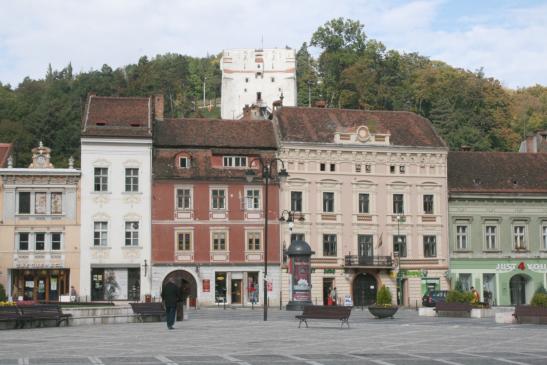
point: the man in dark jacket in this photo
(170, 296)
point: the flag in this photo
(380, 240)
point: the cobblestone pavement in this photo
(240, 336)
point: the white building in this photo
(116, 156)
(256, 76)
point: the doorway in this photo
(327, 286)
(364, 289)
(517, 286)
(236, 291)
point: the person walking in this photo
(476, 296)
(170, 296)
(333, 296)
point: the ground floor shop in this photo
(215, 285)
(501, 281)
(115, 283)
(39, 284)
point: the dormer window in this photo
(184, 162)
(234, 161)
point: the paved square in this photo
(240, 336)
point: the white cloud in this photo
(93, 32)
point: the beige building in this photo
(372, 189)
(40, 230)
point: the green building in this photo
(498, 224)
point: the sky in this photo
(507, 38)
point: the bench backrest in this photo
(321, 311)
(455, 307)
(41, 310)
(528, 310)
(9, 312)
(143, 308)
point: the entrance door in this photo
(327, 286)
(41, 288)
(364, 289)
(489, 288)
(365, 249)
(517, 285)
(97, 284)
(236, 291)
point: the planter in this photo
(382, 312)
(527, 314)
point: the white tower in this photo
(256, 76)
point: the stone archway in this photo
(185, 281)
(365, 286)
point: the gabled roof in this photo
(497, 172)
(5, 152)
(320, 124)
(117, 117)
(215, 133)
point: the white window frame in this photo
(61, 241)
(186, 160)
(103, 231)
(225, 198)
(253, 202)
(215, 235)
(519, 236)
(184, 232)
(462, 237)
(368, 195)
(191, 196)
(103, 179)
(333, 207)
(489, 236)
(32, 202)
(35, 234)
(543, 236)
(238, 162)
(133, 233)
(253, 234)
(402, 212)
(132, 187)
(29, 248)
(432, 204)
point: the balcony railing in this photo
(368, 261)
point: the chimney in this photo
(320, 104)
(465, 148)
(158, 106)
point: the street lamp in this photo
(398, 253)
(266, 166)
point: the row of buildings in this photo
(376, 194)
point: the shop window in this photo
(184, 241)
(329, 245)
(253, 241)
(219, 241)
(100, 179)
(131, 233)
(252, 199)
(399, 245)
(364, 203)
(428, 204)
(100, 233)
(296, 201)
(253, 287)
(131, 180)
(398, 204)
(218, 199)
(430, 246)
(24, 202)
(220, 287)
(490, 237)
(465, 281)
(56, 241)
(328, 202)
(462, 238)
(23, 241)
(133, 284)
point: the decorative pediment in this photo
(361, 135)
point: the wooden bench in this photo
(10, 314)
(339, 313)
(454, 307)
(41, 313)
(142, 310)
(530, 315)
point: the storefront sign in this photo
(38, 265)
(330, 271)
(206, 283)
(347, 301)
(508, 267)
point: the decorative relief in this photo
(132, 199)
(101, 199)
(100, 253)
(131, 252)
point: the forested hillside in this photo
(351, 71)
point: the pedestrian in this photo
(333, 295)
(329, 297)
(476, 296)
(170, 296)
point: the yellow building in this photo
(40, 229)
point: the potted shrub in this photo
(536, 312)
(383, 307)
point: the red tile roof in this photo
(320, 124)
(117, 117)
(5, 152)
(497, 172)
(207, 133)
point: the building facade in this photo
(207, 220)
(498, 224)
(257, 76)
(116, 159)
(40, 230)
(371, 188)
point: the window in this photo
(402, 169)
(55, 241)
(519, 242)
(297, 237)
(398, 207)
(253, 199)
(184, 199)
(219, 241)
(184, 162)
(461, 237)
(399, 245)
(101, 179)
(296, 201)
(184, 241)
(465, 280)
(253, 241)
(218, 199)
(40, 241)
(544, 237)
(490, 236)
(430, 246)
(328, 202)
(24, 202)
(40, 203)
(329, 245)
(364, 203)
(392, 169)
(100, 232)
(332, 167)
(56, 203)
(235, 161)
(131, 233)
(131, 180)
(368, 169)
(322, 167)
(428, 204)
(358, 168)
(23, 239)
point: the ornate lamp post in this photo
(266, 168)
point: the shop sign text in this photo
(508, 267)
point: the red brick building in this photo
(207, 221)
